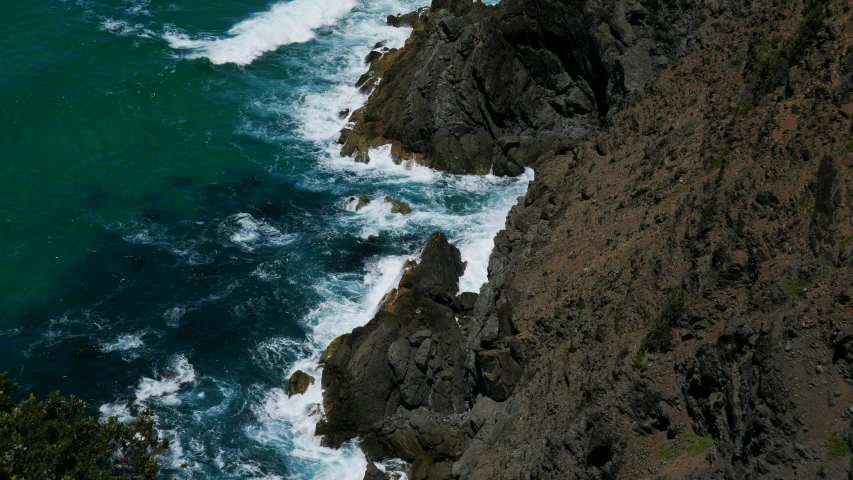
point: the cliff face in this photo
(479, 88)
(672, 297)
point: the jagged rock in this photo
(372, 57)
(299, 383)
(372, 472)
(363, 201)
(412, 354)
(398, 206)
(475, 81)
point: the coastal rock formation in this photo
(480, 88)
(410, 356)
(398, 206)
(299, 383)
(672, 296)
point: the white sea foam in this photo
(178, 374)
(117, 409)
(284, 23)
(128, 345)
(249, 232)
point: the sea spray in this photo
(284, 23)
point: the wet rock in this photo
(299, 383)
(410, 356)
(372, 472)
(372, 57)
(363, 201)
(398, 206)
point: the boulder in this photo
(372, 472)
(410, 356)
(363, 201)
(299, 383)
(398, 206)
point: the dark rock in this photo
(411, 355)
(343, 113)
(363, 201)
(372, 472)
(499, 373)
(372, 57)
(299, 383)
(474, 79)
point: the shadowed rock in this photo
(410, 357)
(299, 383)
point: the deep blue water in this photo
(176, 220)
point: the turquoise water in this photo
(176, 224)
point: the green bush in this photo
(837, 448)
(717, 162)
(772, 61)
(697, 444)
(56, 438)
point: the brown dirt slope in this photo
(711, 208)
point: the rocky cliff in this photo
(479, 87)
(672, 297)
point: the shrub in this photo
(57, 438)
(697, 444)
(837, 448)
(771, 62)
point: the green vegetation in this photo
(818, 270)
(717, 162)
(846, 148)
(665, 453)
(659, 338)
(640, 360)
(696, 444)
(837, 448)
(795, 286)
(772, 61)
(56, 438)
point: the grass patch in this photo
(837, 448)
(717, 162)
(818, 269)
(795, 287)
(772, 61)
(665, 453)
(640, 360)
(696, 444)
(659, 338)
(846, 148)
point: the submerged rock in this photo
(299, 383)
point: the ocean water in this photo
(176, 225)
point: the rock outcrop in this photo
(480, 88)
(672, 296)
(299, 383)
(395, 380)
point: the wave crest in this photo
(283, 24)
